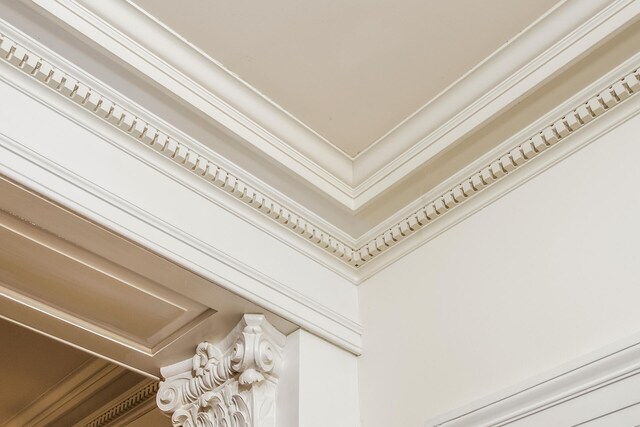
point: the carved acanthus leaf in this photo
(232, 384)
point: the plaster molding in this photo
(129, 406)
(157, 138)
(204, 83)
(153, 136)
(510, 72)
(231, 383)
(53, 182)
(526, 61)
(579, 378)
(505, 163)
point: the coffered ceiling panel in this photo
(24, 376)
(351, 71)
(66, 277)
(44, 268)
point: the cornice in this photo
(501, 80)
(506, 162)
(533, 56)
(149, 46)
(154, 136)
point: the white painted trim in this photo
(529, 59)
(182, 150)
(56, 184)
(151, 134)
(505, 163)
(505, 146)
(150, 47)
(574, 379)
(412, 143)
(128, 105)
(496, 166)
(510, 181)
(123, 217)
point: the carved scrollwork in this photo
(232, 386)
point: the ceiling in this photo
(24, 376)
(72, 388)
(350, 71)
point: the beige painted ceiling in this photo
(350, 70)
(30, 364)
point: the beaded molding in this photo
(143, 394)
(145, 132)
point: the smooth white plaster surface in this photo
(544, 275)
(319, 384)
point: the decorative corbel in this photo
(231, 384)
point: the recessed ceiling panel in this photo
(44, 268)
(350, 70)
(30, 364)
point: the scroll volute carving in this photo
(231, 384)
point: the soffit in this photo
(351, 71)
(66, 277)
(70, 389)
(24, 375)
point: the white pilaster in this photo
(319, 384)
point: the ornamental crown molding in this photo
(504, 78)
(536, 54)
(144, 131)
(233, 383)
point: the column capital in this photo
(232, 383)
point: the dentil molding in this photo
(547, 46)
(151, 135)
(124, 407)
(232, 383)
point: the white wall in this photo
(545, 274)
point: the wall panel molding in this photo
(601, 387)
